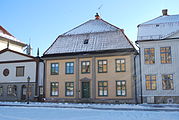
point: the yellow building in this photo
(93, 62)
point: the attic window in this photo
(157, 25)
(86, 41)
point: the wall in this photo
(159, 68)
(111, 76)
(3, 45)
(30, 68)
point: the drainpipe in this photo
(140, 73)
(135, 79)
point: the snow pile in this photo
(162, 107)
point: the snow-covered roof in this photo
(163, 19)
(92, 26)
(158, 28)
(5, 34)
(100, 35)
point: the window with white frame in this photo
(69, 88)
(54, 88)
(69, 68)
(54, 68)
(102, 88)
(121, 88)
(120, 65)
(102, 66)
(85, 67)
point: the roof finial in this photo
(37, 52)
(97, 16)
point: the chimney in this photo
(97, 16)
(122, 30)
(164, 12)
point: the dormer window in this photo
(86, 41)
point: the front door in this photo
(85, 89)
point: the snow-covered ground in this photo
(66, 111)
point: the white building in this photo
(159, 45)
(8, 40)
(15, 68)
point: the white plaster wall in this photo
(3, 45)
(159, 68)
(30, 70)
(11, 56)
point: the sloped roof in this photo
(92, 26)
(15, 52)
(5, 34)
(163, 19)
(100, 34)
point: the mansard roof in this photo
(159, 28)
(162, 20)
(93, 35)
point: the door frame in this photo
(88, 90)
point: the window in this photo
(167, 82)
(150, 82)
(120, 65)
(69, 89)
(149, 55)
(20, 71)
(85, 67)
(121, 88)
(12, 90)
(1, 90)
(54, 88)
(86, 41)
(102, 66)
(54, 68)
(69, 67)
(165, 55)
(102, 88)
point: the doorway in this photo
(85, 90)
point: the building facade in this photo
(158, 40)
(15, 68)
(93, 62)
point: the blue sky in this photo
(41, 21)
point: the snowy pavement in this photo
(47, 113)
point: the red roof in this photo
(5, 31)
